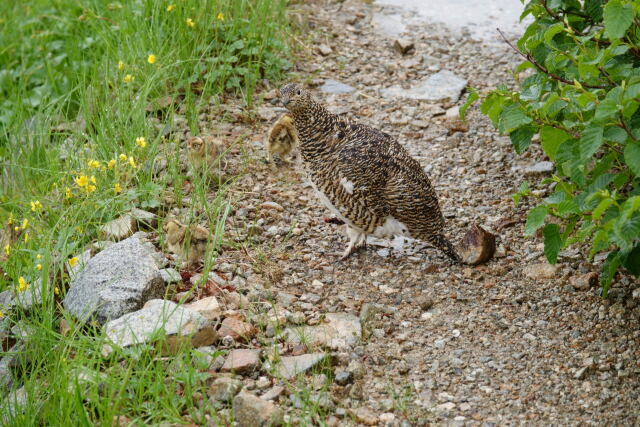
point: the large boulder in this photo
(116, 281)
(443, 86)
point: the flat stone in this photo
(120, 228)
(170, 275)
(144, 218)
(208, 307)
(334, 86)
(251, 411)
(539, 168)
(541, 270)
(242, 361)
(236, 329)
(290, 366)
(341, 331)
(224, 389)
(116, 281)
(272, 205)
(160, 318)
(365, 416)
(273, 393)
(325, 50)
(443, 86)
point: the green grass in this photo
(69, 121)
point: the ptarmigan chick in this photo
(281, 138)
(188, 243)
(205, 153)
(365, 177)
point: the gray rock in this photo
(116, 281)
(242, 361)
(324, 50)
(144, 218)
(273, 393)
(170, 275)
(290, 366)
(120, 228)
(251, 411)
(160, 318)
(343, 377)
(224, 389)
(403, 46)
(341, 331)
(443, 86)
(539, 168)
(334, 86)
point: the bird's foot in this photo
(351, 249)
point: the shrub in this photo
(582, 99)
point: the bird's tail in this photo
(447, 247)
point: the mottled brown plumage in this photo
(205, 153)
(189, 243)
(365, 176)
(281, 138)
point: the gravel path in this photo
(513, 341)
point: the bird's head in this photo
(295, 98)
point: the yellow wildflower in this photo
(151, 59)
(68, 193)
(39, 256)
(111, 163)
(10, 220)
(91, 188)
(128, 78)
(171, 7)
(117, 188)
(93, 164)
(132, 162)
(82, 181)
(1, 314)
(123, 157)
(220, 17)
(120, 65)
(141, 142)
(39, 266)
(73, 261)
(16, 228)
(190, 23)
(36, 206)
(56, 291)
(22, 284)
(25, 223)
(92, 179)
(26, 237)
(7, 250)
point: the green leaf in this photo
(535, 219)
(609, 269)
(594, 9)
(552, 242)
(601, 208)
(551, 138)
(631, 260)
(521, 138)
(513, 117)
(551, 32)
(632, 156)
(617, 18)
(590, 141)
(473, 97)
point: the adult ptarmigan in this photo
(365, 177)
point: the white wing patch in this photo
(391, 227)
(347, 185)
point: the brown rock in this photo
(585, 281)
(208, 307)
(541, 270)
(242, 361)
(365, 416)
(224, 389)
(477, 246)
(251, 411)
(403, 46)
(236, 329)
(325, 50)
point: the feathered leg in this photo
(441, 242)
(357, 240)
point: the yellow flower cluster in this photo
(22, 284)
(86, 184)
(190, 23)
(128, 78)
(171, 7)
(36, 206)
(220, 16)
(141, 142)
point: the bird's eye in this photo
(299, 92)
